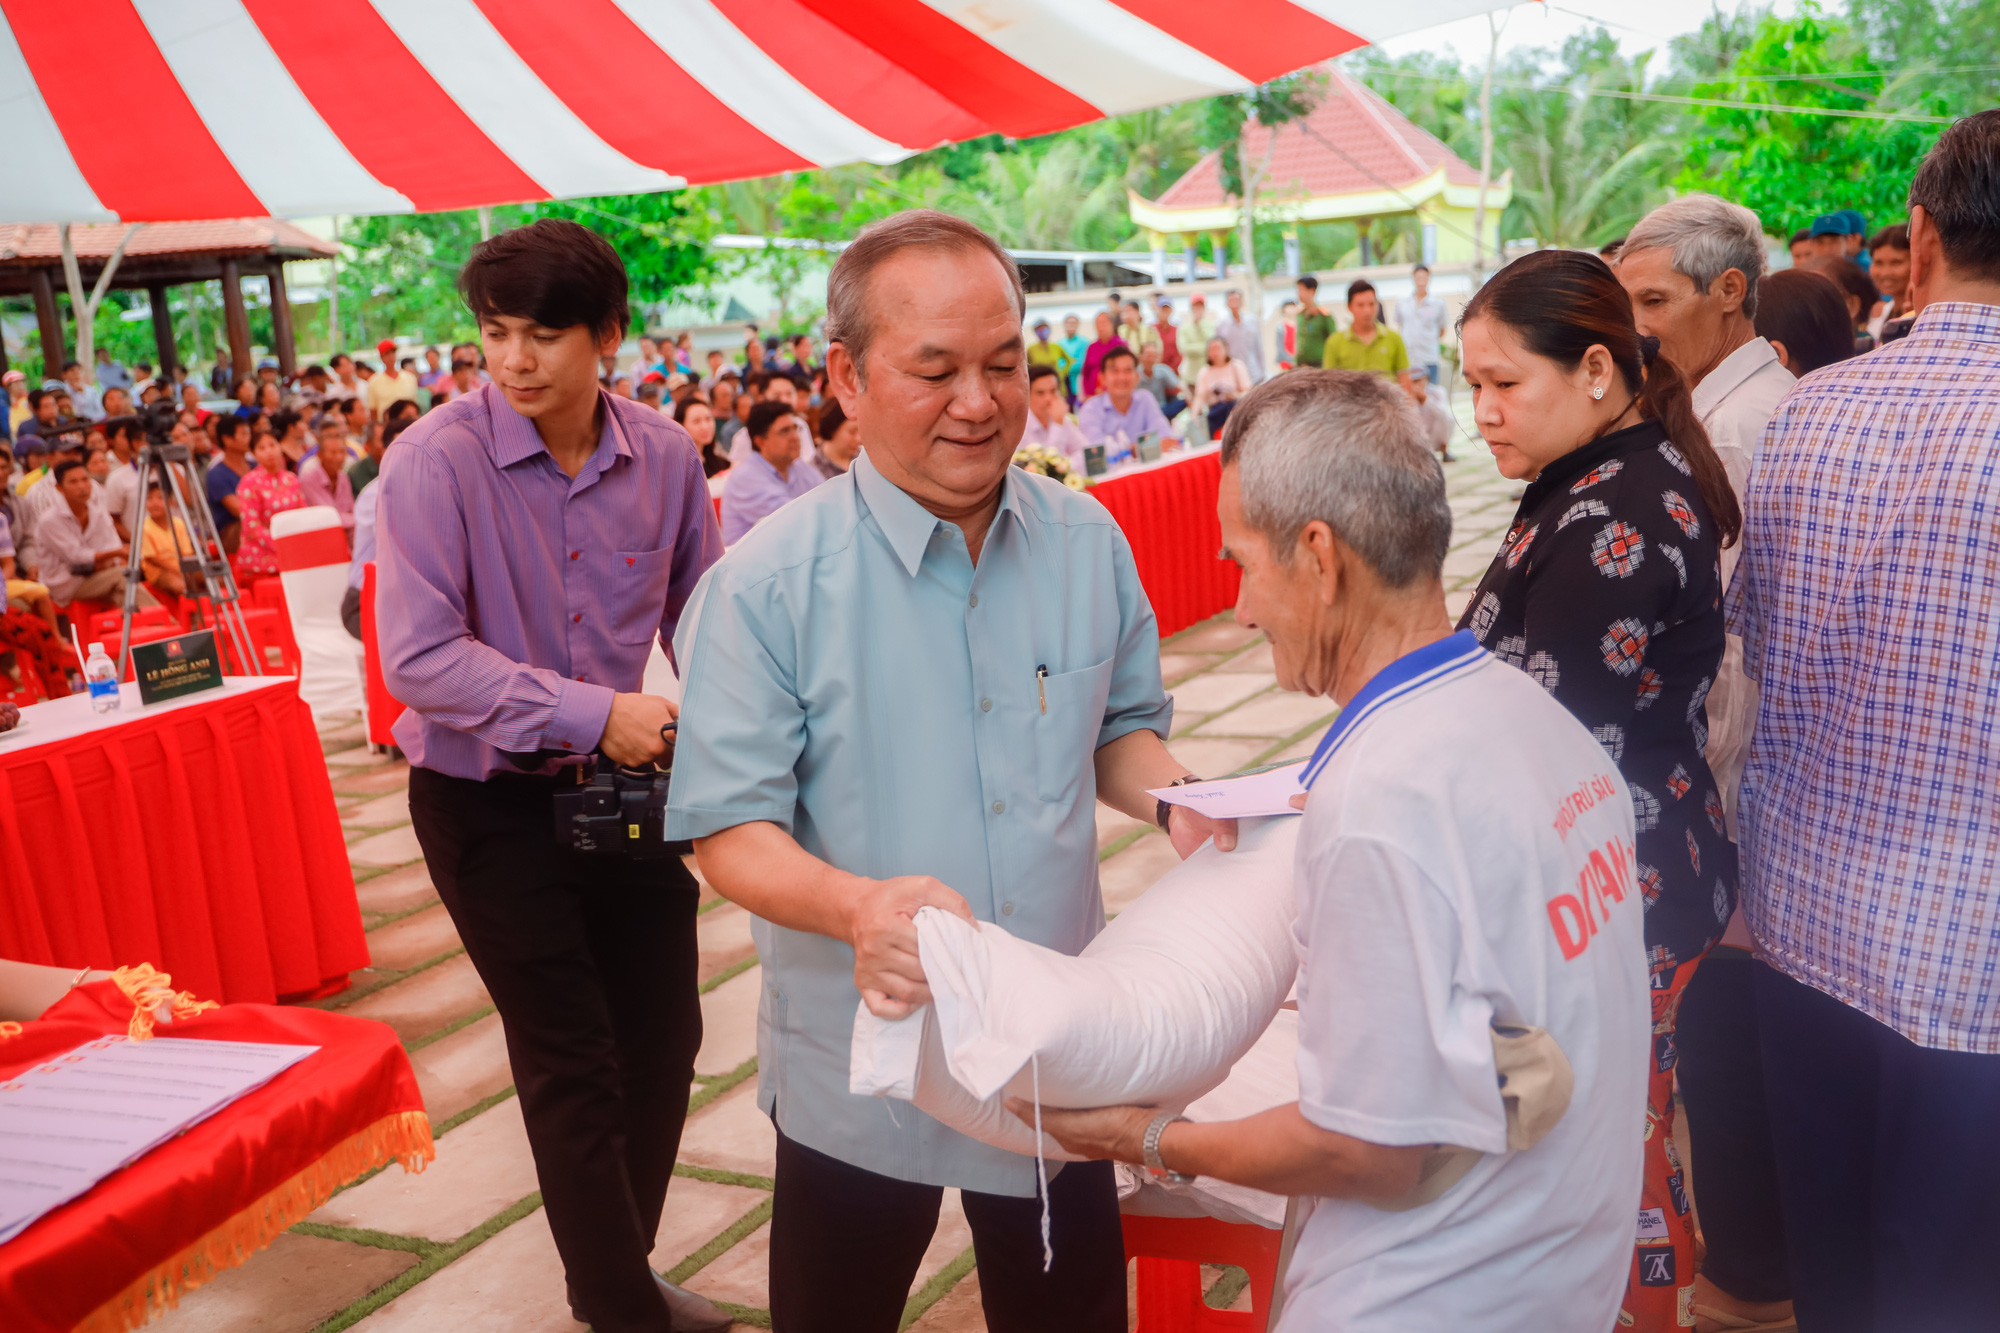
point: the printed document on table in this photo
(1247, 797)
(71, 1121)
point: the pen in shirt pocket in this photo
(1041, 687)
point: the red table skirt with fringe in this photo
(200, 837)
(1167, 512)
(206, 1201)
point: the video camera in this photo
(621, 812)
(157, 419)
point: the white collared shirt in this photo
(1735, 402)
(1064, 436)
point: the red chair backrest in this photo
(1171, 1251)
(383, 707)
(106, 626)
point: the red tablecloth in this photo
(199, 836)
(1167, 511)
(206, 1201)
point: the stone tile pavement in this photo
(465, 1245)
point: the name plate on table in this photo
(1147, 447)
(1094, 464)
(169, 668)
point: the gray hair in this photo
(848, 319)
(1349, 450)
(1708, 237)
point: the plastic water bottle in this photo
(101, 674)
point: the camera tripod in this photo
(205, 567)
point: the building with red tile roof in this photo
(1354, 158)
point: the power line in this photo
(1781, 108)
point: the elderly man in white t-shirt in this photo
(1469, 912)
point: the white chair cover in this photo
(312, 561)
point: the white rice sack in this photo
(1155, 1011)
(1266, 1076)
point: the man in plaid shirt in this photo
(1868, 599)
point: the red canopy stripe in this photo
(993, 87)
(121, 162)
(644, 105)
(851, 76)
(353, 69)
(1261, 39)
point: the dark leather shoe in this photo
(690, 1313)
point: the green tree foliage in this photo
(661, 237)
(1278, 102)
(1586, 166)
(1586, 162)
(1953, 46)
(1789, 168)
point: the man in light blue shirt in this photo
(769, 475)
(911, 688)
(1123, 407)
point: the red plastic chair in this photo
(107, 626)
(269, 592)
(146, 634)
(1171, 1251)
(383, 707)
(82, 610)
(270, 639)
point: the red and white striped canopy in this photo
(146, 110)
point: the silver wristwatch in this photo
(1149, 1147)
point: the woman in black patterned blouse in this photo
(1607, 590)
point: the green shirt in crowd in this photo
(1050, 354)
(1314, 330)
(1383, 354)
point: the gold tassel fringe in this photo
(150, 992)
(404, 1137)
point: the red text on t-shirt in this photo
(1606, 878)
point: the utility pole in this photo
(333, 296)
(1494, 28)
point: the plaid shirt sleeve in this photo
(1870, 830)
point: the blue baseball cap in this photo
(1846, 222)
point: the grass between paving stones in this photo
(933, 1291)
(1222, 1293)
(416, 1044)
(717, 1084)
(433, 1256)
(717, 1176)
(438, 1131)
(730, 973)
(355, 993)
(721, 1244)
(388, 918)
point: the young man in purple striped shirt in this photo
(537, 536)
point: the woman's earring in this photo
(1598, 392)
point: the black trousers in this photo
(845, 1245)
(1889, 1167)
(591, 963)
(1721, 1076)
